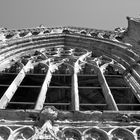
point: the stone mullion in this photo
(106, 91)
(42, 95)
(75, 92)
(9, 93)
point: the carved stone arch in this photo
(117, 51)
(121, 133)
(71, 133)
(106, 50)
(5, 132)
(136, 132)
(25, 132)
(95, 133)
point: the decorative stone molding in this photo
(76, 53)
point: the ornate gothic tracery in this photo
(55, 61)
(68, 83)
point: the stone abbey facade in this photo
(70, 83)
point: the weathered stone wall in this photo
(60, 125)
(75, 125)
(132, 34)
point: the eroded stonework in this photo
(69, 83)
(54, 124)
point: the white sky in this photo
(99, 14)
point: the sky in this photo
(98, 14)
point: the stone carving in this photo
(96, 134)
(121, 133)
(25, 132)
(5, 132)
(71, 134)
(73, 52)
(48, 131)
